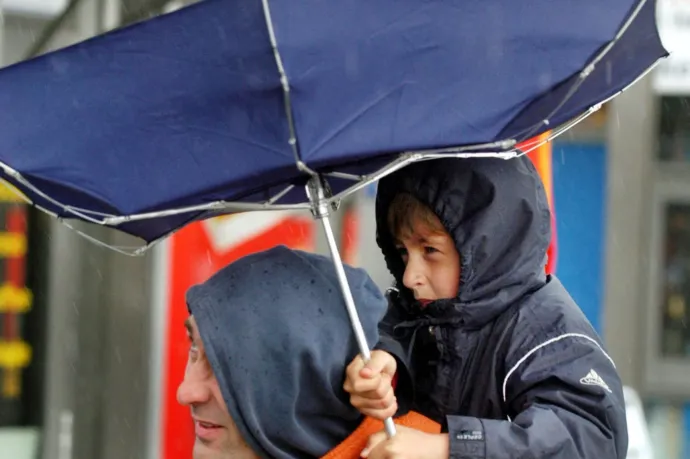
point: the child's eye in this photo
(429, 250)
(402, 251)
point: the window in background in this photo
(674, 130)
(675, 337)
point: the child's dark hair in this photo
(406, 214)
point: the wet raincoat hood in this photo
(498, 215)
(277, 335)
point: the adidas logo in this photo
(593, 379)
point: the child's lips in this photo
(424, 303)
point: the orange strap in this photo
(353, 445)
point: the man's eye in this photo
(192, 343)
(402, 251)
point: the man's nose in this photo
(192, 391)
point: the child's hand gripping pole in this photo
(370, 386)
(388, 423)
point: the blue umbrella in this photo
(233, 105)
(228, 101)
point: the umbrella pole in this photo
(321, 211)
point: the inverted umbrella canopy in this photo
(170, 120)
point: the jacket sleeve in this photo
(565, 399)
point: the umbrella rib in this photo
(562, 129)
(618, 36)
(589, 69)
(285, 83)
(345, 176)
(468, 151)
(414, 156)
(279, 195)
(76, 211)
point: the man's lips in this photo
(424, 303)
(206, 430)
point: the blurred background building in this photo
(92, 345)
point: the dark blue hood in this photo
(277, 334)
(497, 212)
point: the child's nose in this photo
(413, 276)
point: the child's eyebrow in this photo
(188, 326)
(433, 238)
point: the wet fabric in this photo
(277, 335)
(511, 367)
(190, 108)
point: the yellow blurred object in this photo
(12, 244)
(676, 307)
(11, 383)
(14, 354)
(8, 193)
(14, 299)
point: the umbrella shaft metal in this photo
(345, 288)
(350, 305)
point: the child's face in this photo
(432, 264)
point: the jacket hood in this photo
(496, 211)
(278, 337)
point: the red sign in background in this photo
(542, 157)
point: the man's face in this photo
(217, 436)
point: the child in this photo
(498, 352)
